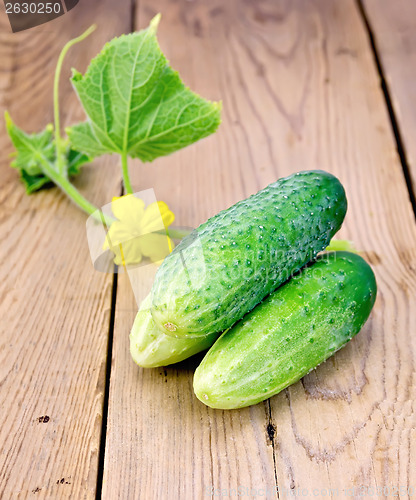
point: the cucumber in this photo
(228, 265)
(149, 347)
(291, 332)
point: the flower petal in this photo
(167, 215)
(118, 233)
(156, 246)
(128, 253)
(128, 209)
(157, 217)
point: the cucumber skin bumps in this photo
(290, 333)
(230, 263)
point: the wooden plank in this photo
(55, 307)
(300, 90)
(161, 443)
(394, 28)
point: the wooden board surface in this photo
(300, 90)
(54, 308)
(393, 26)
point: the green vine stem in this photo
(58, 139)
(125, 170)
(59, 175)
(72, 192)
(344, 245)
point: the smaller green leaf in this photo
(30, 146)
(75, 161)
(33, 183)
(33, 149)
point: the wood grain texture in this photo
(352, 421)
(394, 28)
(161, 443)
(300, 90)
(54, 307)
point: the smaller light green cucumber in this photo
(291, 332)
(150, 347)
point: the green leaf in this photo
(137, 104)
(34, 149)
(75, 161)
(34, 182)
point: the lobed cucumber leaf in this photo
(136, 103)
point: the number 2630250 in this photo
(33, 8)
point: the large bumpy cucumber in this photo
(149, 347)
(291, 332)
(231, 262)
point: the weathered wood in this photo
(393, 27)
(300, 90)
(161, 442)
(351, 423)
(55, 307)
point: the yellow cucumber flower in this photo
(138, 231)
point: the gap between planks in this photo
(134, 4)
(401, 149)
(405, 168)
(101, 456)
